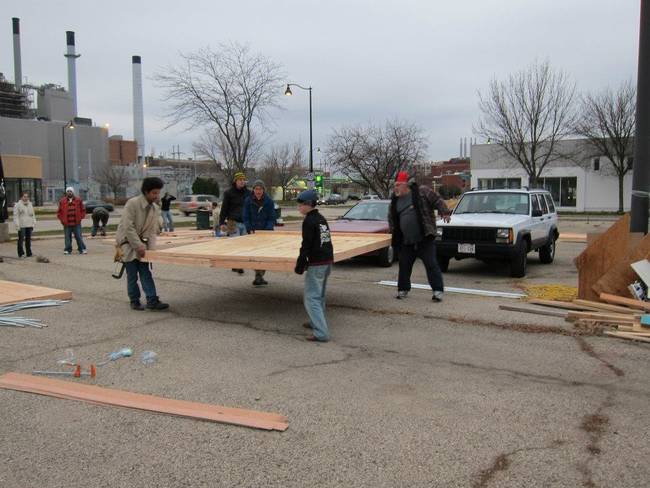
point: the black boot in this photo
(136, 306)
(156, 304)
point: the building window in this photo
(563, 190)
(596, 164)
(499, 183)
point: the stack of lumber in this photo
(621, 314)
(14, 292)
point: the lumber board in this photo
(550, 313)
(603, 317)
(627, 335)
(559, 304)
(13, 292)
(629, 302)
(600, 255)
(106, 396)
(272, 250)
(604, 306)
(621, 274)
(572, 237)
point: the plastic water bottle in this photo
(68, 358)
(122, 353)
(148, 357)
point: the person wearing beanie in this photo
(259, 214)
(24, 220)
(70, 213)
(231, 218)
(315, 260)
(413, 226)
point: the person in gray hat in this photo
(259, 214)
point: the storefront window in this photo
(564, 190)
(499, 183)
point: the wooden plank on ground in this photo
(107, 396)
(628, 302)
(535, 311)
(604, 317)
(627, 335)
(12, 292)
(559, 304)
(572, 237)
(604, 306)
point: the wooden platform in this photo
(13, 292)
(268, 250)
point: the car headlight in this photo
(504, 236)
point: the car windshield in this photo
(368, 211)
(493, 202)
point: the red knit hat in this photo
(402, 177)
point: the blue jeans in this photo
(240, 230)
(25, 235)
(168, 223)
(68, 230)
(314, 299)
(134, 269)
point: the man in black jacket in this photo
(165, 211)
(413, 225)
(231, 217)
(316, 257)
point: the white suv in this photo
(500, 225)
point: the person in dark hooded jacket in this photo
(259, 214)
(231, 217)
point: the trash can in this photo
(202, 219)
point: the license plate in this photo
(467, 248)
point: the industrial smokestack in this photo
(72, 56)
(138, 110)
(18, 68)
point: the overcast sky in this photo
(421, 61)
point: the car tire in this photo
(547, 252)
(443, 263)
(386, 257)
(519, 260)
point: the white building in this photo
(580, 182)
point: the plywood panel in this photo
(12, 292)
(273, 250)
(616, 280)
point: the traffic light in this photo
(318, 182)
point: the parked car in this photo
(368, 216)
(335, 199)
(500, 225)
(370, 197)
(91, 205)
(189, 204)
(278, 214)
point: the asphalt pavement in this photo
(408, 393)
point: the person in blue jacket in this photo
(259, 214)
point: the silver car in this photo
(189, 204)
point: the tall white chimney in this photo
(72, 56)
(18, 69)
(138, 110)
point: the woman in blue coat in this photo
(259, 214)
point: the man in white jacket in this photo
(24, 220)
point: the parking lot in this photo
(407, 393)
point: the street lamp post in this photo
(310, 180)
(70, 125)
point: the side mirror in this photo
(537, 213)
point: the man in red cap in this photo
(413, 225)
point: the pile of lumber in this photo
(622, 316)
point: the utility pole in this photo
(641, 168)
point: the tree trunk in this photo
(620, 193)
(532, 182)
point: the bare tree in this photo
(212, 145)
(282, 163)
(116, 178)
(230, 90)
(527, 115)
(371, 156)
(607, 122)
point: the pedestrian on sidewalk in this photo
(259, 214)
(70, 213)
(24, 220)
(316, 258)
(137, 232)
(165, 210)
(100, 219)
(413, 226)
(231, 218)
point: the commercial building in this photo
(580, 181)
(23, 173)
